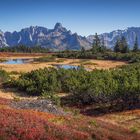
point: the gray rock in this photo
(42, 105)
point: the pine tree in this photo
(83, 51)
(123, 45)
(136, 46)
(96, 44)
(103, 48)
(117, 46)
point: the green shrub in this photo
(45, 59)
(4, 76)
(134, 129)
(120, 85)
(51, 96)
(94, 123)
(131, 57)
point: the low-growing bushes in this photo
(45, 59)
(4, 76)
(29, 125)
(2, 60)
(23, 124)
(131, 56)
(120, 85)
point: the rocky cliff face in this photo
(110, 38)
(2, 39)
(58, 38)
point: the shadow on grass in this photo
(96, 109)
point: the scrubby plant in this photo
(4, 76)
(134, 129)
(51, 96)
(48, 58)
(131, 57)
(93, 122)
(121, 85)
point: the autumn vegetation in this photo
(28, 124)
(119, 86)
(112, 90)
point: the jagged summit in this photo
(129, 33)
(58, 26)
(58, 38)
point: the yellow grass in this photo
(126, 119)
(90, 64)
(13, 94)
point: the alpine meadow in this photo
(69, 70)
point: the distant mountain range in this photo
(60, 38)
(109, 39)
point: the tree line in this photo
(121, 45)
(99, 50)
(25, 49)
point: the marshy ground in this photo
(87, 63)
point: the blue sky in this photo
(82, 16)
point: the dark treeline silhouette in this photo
(25, 49)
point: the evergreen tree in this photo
(103, 48)
(123, 45)
(96, 44)
(136, 46)
(83, 51)
(117, 46)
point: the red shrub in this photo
(33, 125)
(4, 101)
(21, 125)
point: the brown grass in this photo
(9, 93)
(21, 55)
(99, 128)
(126, 119)
(88, 63)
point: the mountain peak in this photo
(58, 26)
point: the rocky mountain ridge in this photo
(59, 38)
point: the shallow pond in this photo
(69, 67)
(16, 61)
(66, 66)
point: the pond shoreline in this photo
(17, 61)
(33, 65)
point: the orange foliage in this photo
(31, 125)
